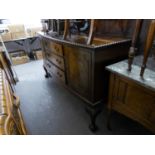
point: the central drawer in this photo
(58, 61)
(53, 70)
(57, 72)
(56, 48)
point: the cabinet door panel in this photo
(78, 69)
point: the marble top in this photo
(147, 81)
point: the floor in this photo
(49, 109)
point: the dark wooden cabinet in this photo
(81, 67)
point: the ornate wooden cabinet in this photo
(80, 67)
(11, 122)
(79, 62)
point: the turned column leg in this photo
(131, 57)
(46, 73)
(93, 113)
(134, 41)
(148, 45)
(91, 31)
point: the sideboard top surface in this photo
(80, 41)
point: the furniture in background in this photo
(17, 31)
(19, 39)
(19, 57)
(132, 92)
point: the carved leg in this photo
(93, 113)
(108, 119)
(46, 73)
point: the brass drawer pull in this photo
(59, 61)
(49, 65)
(59, 74)
(56, 48)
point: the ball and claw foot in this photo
(109, 126)
(93, 113)
(93, 127)
(46, 75)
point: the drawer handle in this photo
(49, 65)
(58, 61)
(56, 48)
(59, 74)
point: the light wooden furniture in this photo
(17, 31)
(130, 92)
(11, 122)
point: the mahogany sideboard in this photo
(81, 67)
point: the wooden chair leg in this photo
(148, 45)
(66, 28)
(91, 31)
(134, 41)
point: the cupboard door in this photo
(78, 62)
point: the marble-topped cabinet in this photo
(132, 95)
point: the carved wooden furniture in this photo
(11, 122)
(131, 94)
(79, 63)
